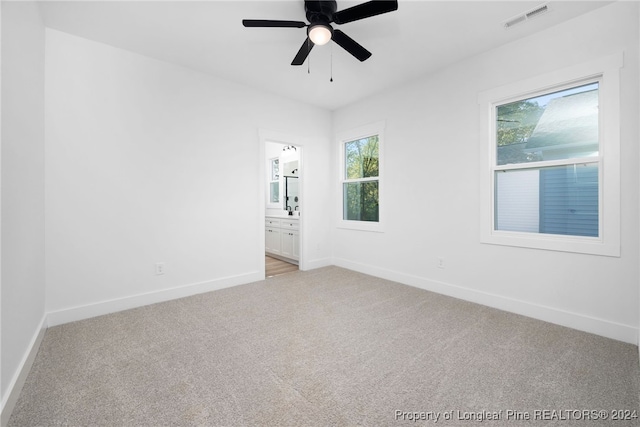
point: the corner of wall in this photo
(22, 202)
(20, 377)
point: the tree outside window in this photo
(361, 179)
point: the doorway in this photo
(283, 207)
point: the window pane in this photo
(362, 158)
(555, 200)
(275, 169)
(559, 125)
(274, 192)
(361, 201)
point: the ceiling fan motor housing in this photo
(320, 12)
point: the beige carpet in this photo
(326, 347)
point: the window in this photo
(360, 178)
(552, 180)
(547, 157)
(274, 181)
(360, 185)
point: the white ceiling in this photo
(417, 39)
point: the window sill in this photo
(375, 227)
(553, 242)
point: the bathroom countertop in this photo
(283, 216)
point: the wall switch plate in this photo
(440, 262)
(159, 268)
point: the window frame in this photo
(350, 136)
(606, 72)
(269, 204)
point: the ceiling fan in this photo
(320, 15)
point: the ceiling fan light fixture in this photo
(320, 34)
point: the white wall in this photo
(432, 193)
(23, 280)
(151, 162)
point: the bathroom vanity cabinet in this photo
(282, 238)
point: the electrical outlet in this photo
(440, 262)
(159, 268)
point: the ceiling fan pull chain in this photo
(309, 59)
(331, 65)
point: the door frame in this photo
(285, 139)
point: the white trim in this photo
(376, 128)
(262, 201)
(2, 396)
(73, 314)
(20, 377)
(581, 322)
(547, 163)
(608, 242)
(317, 263)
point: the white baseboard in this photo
(316, 263)
(17, 382)
(605, 328)
(73, 314)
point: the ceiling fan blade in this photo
(350, 45)
(302, 54)
(364, 10)
(272, 24)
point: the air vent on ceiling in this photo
(526, 16)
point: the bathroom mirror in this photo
(290, 168)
